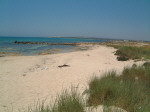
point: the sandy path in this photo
(24, 79)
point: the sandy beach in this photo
(25, 79)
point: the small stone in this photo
(136, 78)
(24, 74)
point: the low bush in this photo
(132, 52)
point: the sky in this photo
(119, 19)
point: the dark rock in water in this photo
(46, 43)
(122, 58)
(63, 66)
(67, 44)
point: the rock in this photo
(122, 58)
(4, 53)
(94, 109)
(24, 74)
(15, 54)
(136, 78)
(113, 109)
(64, 65)
(102, 108)
(45, 43)
(134, 65)
(44, 68)
(44, 53)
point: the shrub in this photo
(132, 52)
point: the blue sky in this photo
(124, 19)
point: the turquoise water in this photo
(7, 45)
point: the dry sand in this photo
(25, 79)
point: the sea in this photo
(7, 44)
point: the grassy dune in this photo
(125, 53)
(129, 91)
(132, 52)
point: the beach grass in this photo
(125, 53)
(129, 91)
(67, 101)
(137, 73)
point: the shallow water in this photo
(7, 44)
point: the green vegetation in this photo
(132, 52)
(66, 102)
(130, 90)
(137, 73)
(69, 102)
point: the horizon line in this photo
(86, 37)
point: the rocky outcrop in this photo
(46, 43)
(2, 54)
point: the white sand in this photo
(24, 79)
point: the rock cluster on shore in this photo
(109, 43)
(46, 43)
(2, 54)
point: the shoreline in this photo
(25, 79)
(50, 51)
(80, 46)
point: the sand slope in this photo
(24, 79)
